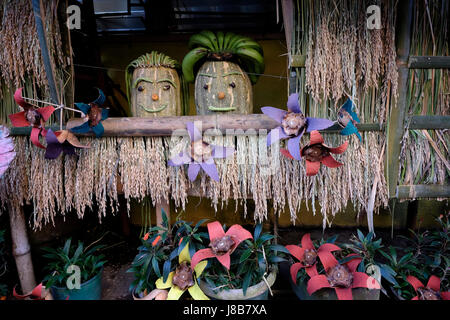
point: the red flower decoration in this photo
(431, 291)
(222, 244)
(343, 278)
(316, 152)
(307, 255)
(31, 116)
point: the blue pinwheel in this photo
(94, 116)
(347, 119)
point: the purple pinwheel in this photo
(200, 155)
(61, 141)
(293, 124)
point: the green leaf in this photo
(199, 224)
(67, 246)
(257, 232)
(277, 247)
(360, 235)
(246, 282)
(156, 267)
(166, 270)
(245, 255)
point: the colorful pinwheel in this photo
(7, 152)
(431, 292)
(94, 116)
(61, 141)
(222, 244)
(184, 278)
(293, 124)
(200, 155)
(343, 278)
(316, 152)
(307, 255)
(31, 116)
(347, 119)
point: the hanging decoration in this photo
(226, 66)
(7, 152)
(31, 116)
(347, 119)
(154, 87)
(293, 124)
(94, 115)
(316, 152)
(61, 141)
(200, 155)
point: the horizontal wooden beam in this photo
(423, 191)
(414, 62)
(429, 62)
(429, 122)
(163, 126)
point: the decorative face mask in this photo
(153, 86)
(222, 86)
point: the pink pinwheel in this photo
(431, 292)
(316, 152)
(31, 116)
(307, 255)
(222, 244)
(293, 124)
(200, 155)
(342, 278)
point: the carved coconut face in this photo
(222, 87)
(155, 92)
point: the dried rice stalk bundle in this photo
(157, 176)
(106, 177)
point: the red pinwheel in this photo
(222, 244)
(431, 291)
(31, 116)
(307, 255)
(316, 152)
(343, 278)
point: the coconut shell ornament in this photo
(224, 67)
(154, 87)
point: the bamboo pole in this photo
(21, 250)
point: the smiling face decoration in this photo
(153, 86)
(222, 86)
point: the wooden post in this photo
(21, 250)
(396, 119)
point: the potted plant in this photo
(165, 252)
(241, 266)
(324, 272)
(424, 257)
(63, 265)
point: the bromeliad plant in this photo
(60, 259)
(237, 259)
(157, 256)
(323, 265)
(425, 254)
